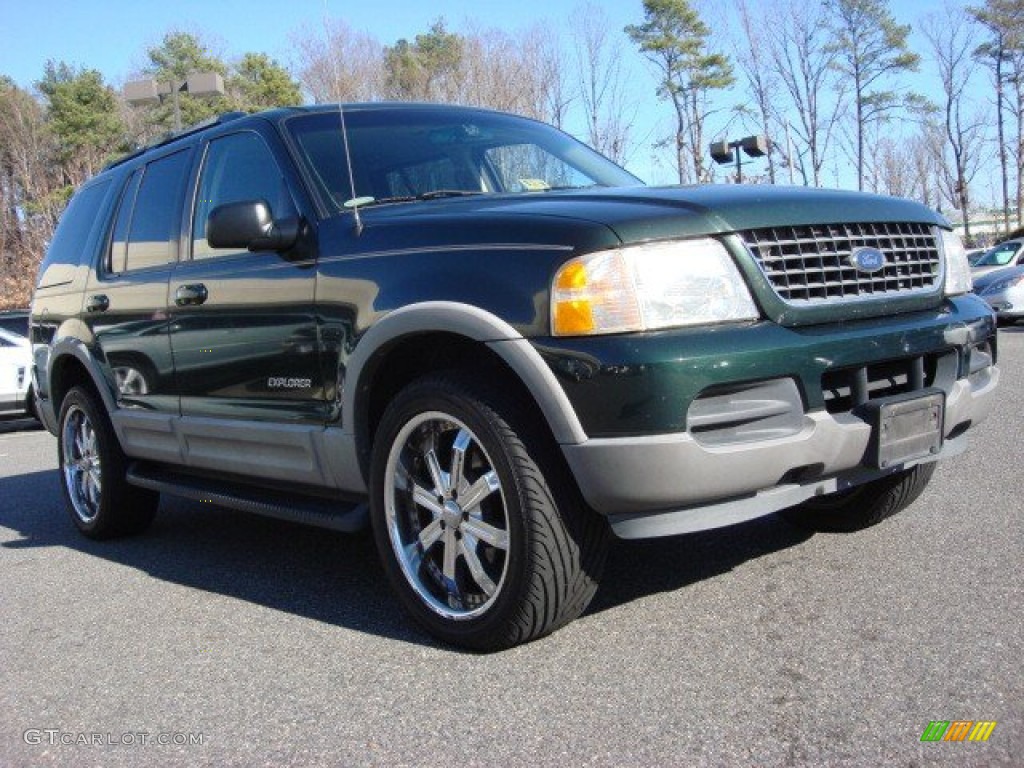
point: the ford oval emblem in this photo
(867, 259)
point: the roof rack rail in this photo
(170, 136)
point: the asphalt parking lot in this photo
(223, 639)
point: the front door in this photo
(242, 326)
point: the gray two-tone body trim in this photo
(328, 456)
(707, 516)
(670, 484)
(67, 346)
(478, 325)
(276, 452)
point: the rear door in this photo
(126, 296)
(243, 330)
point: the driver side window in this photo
(237, 168)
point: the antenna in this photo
(355, 201)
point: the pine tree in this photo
(675, 40)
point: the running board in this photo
(335, 514)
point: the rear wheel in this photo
(863, 506)
(482, 535)
(101, 502)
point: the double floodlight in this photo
(150, 91)
(752, 146)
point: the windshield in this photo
(999, 256)
(401, 155)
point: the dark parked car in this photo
(496, 347)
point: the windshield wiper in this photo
(436, 193)
(363, 202)
(571, 186)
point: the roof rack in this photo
(170, 136)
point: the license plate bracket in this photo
(904, 427)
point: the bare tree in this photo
(1003, 53)
(542, 46)
(805, 64)
(521, 72)
(600, 82)
(926, 167)
(952, 41)
(337, 63)
(904, 167)
(753, 56)
(1017, 82)
(32, 192)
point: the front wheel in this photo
(483, 537)
(863, 506)
(101, 502)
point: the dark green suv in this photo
(496, 347)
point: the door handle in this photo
(190, 295)
(97, 303)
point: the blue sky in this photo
(113, 35)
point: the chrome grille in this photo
(811, 264)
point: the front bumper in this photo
(671, 484)
(681, 481)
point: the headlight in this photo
(958, 269)
(644, 287)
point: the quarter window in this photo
(73, 235)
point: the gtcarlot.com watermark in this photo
(52, 737)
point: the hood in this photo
(636, 214)
(994, 275)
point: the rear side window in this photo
(71, 240)
(146, 232)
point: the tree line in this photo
(827, 81)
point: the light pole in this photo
(724, 152)
(150, 91)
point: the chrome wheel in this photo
(446, 516)
(83, 470)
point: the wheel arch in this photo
(422, 338)
(70, 364)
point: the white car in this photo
(16, 396)
(1006, 254)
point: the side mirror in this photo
(250, 224)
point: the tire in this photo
(100, 501)
(482, 534)
(31, 405)
(863, 506)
